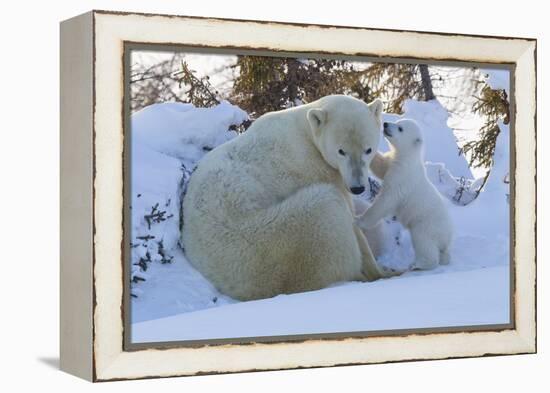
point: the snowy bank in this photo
(349, 308)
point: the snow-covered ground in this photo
(172, 301)
(414, 301)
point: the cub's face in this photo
(347, 137)
(404, 135)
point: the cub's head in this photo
(347, 132)
(404, 135)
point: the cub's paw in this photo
(390, 272)
(422, 266)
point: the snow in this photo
(492, 222)
(347, 308)
(183, 131)
(460, 190)
(175, 302)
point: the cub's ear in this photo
(317, 119)
(376, 108)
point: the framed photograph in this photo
(249, 195)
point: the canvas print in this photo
(275, 198)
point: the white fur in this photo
(408, 194)
(270, 211)
(377, 234)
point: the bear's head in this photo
(347, 132)
(404, 136)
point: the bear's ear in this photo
(316, 118)
(376, 108)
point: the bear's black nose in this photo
(385, 125)
(357, 190)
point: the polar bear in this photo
(270, 212)
(408, 194)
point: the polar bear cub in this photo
(408, 194)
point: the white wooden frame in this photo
(92, 120)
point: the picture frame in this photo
(93, 322)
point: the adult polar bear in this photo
(270, 211)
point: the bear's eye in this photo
(341, 152)
(400, 129)
(368, 151)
